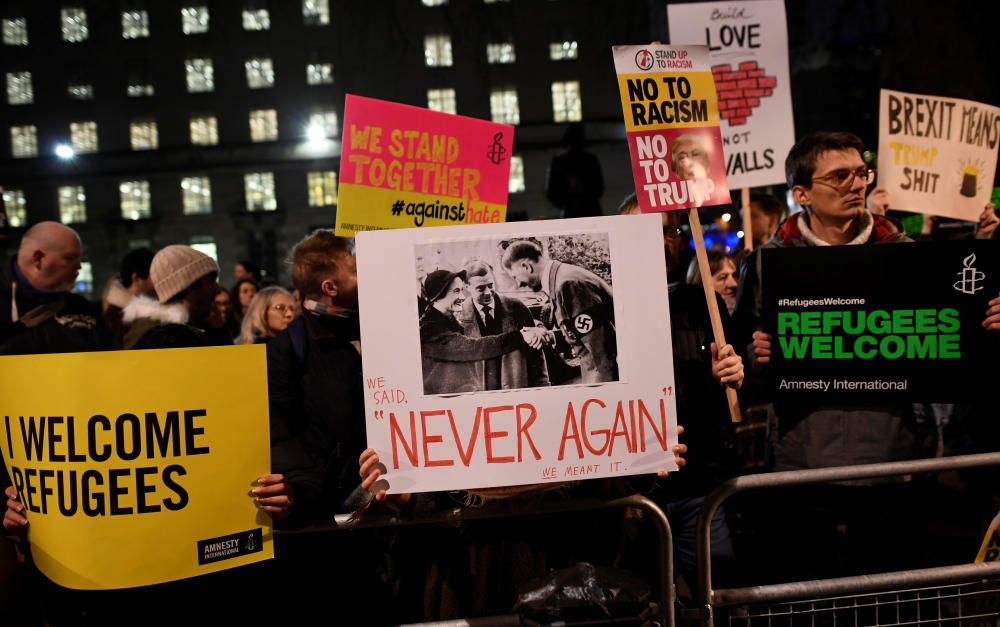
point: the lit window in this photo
(264, 125)
(206, 244)
(135, 24)
(434, 3)
(260, 191)
(494, 1)
(74, 24)
(500, 53)
(144, 135)
(72, 204)
(19, 90)
(516, 183)
(503, 106)
(319, 73)
(16, 206)
(437, 50)
(442, 100)
(204, 130)
(139, 90)
(23, 141)
(80, 91)
(325, 120)
(256, 19)
(15, 31)
(85, 279)
(322, 188)
(562, 50)
(260, 73)
(566, 101)
(200, 75)
(196, 194)
(316, 12)
(194, 20)
(135, 199)
(83, 136)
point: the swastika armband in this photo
(584, 322)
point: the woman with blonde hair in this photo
(270, 311)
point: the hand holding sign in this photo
(13, 519)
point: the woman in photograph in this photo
(270, 312)
(448, 356)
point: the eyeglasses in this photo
(843, 179)
(282, 308)
(673, 231)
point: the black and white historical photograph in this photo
(516, 312)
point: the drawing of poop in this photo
(969, 181)
(740, 91)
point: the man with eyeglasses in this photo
(829, 179)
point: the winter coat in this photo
(452, 362)
(517, 369)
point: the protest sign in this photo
(456, 395)
(890, 323)
(404, 166)
(937, 155)
(748, 51)
(672, 126)
(134, 466)
(989, 551)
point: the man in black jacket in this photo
(38, 313)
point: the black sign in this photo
(228, 547)
(883, 323)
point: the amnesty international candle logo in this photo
(970, 277)
(497, 150)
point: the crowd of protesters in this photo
(321, 465)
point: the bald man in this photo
(38, 313)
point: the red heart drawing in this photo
(740, 91)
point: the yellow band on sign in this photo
(135, 469)
(653, 102)
(374, 209)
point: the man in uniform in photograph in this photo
(584, 306)
(489, 313)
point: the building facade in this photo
(217, 123)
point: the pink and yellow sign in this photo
(404, 166)
(672, 125)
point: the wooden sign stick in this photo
(713, 307)
(747, 219)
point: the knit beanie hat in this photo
(176, 268)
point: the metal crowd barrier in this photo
(960, 594)
(510, 508)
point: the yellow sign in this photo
(990, 550)
(134, 467)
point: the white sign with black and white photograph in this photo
(515, 354)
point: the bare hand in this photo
(533, 337)
(878, 201)
(761, 347)
(679, 450)
(988, 222)
(727, 366)
(371, 470)
(992, 321)
(14, 519)
(274, 495)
